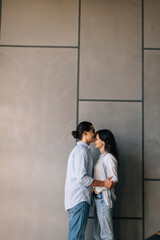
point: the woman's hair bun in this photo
(75, 134)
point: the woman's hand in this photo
(95, 191)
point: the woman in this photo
(79, 181)
(105, 167)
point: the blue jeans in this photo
(103, 222)
(78, 217)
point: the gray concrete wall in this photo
(68, 61)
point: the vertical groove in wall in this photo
(78, 61)
(143, 209)
(0, 15)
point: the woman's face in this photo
(98, 142)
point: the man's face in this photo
(90, 135)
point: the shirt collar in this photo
(104, 154)
(84, 145)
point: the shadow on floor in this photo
(155, 236)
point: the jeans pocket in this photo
(79, 206)
(74, 209)
(99, 196)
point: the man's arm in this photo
(81, 163)
(107, 183)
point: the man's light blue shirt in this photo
(79, 176)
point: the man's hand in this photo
(108, 183)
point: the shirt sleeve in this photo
(111, 164)
(81, 167)
(100, 189)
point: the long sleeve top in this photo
(105, 167)
(79, 176)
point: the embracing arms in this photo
(81, 166)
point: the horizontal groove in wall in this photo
(152, 49)
(124, 218)
(129, 218)
(152, 179)
(37, 46)
(107, 100)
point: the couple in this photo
(80, 183)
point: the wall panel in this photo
(128, 229)
(49, 22)
(89, 230)
(151, 24)
(152, 211)
(110, 44)
(152, 114)
(37, 111)
(124, 119)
